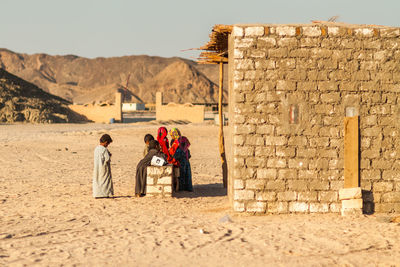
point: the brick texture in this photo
(291, 85)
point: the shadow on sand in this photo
(203, 190)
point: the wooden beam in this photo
(221, 127)
(351, 151)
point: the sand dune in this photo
(48, 216)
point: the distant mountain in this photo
(82, 80)
(21, 101)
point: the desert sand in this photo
(49, 218)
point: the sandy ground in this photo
(48, 216)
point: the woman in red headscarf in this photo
(162, 138)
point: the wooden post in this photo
(351, 151)
(221, 127)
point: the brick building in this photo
(290, 88)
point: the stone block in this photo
(287, 42)
(238, 54)
(334, 207)
(308, 175)
(266, 196)
(286, 31)
(238, 184)
(350, 212)
(297, 185)
(166, 180)
(333, 31)
(390, 32)
(244, 151)
(286, 174)
(391, 197)
(266, 173)
(264, 151)
(352, 204)
(298, 164)
(266, 42)
(278, 53)
(265, 129)
(319, 207)
(298, 207)
(258, 207)
(327, 196)
(238, 140)
(287, 196)
(275, 140)
(244, 43)
(391, 175)
(154, 171)
(307, 196)
(243, 195)
(265, 64)
(364, 32)
(285, 64)
(370, 174)
(167, 169)
(277, 185)
(167, 190)
(255, 184)
(382, 186)
(287, 152)
(313, 31)
(154, 189)
(350, 193)
(276, 163)
(319, 163)
(257, 54)
(238, 206)
(244, 129)
(298, 141)
(256, 140)
(319, 185)
(384, 207)
(285, 85)
(244, 64)
(149, 181)
(237, 31)
(254, 31)
(277, 207)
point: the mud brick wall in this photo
(283, 163)
(159, 181)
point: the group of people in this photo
(175, 152)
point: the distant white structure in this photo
(126, 107)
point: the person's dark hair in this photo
(105, 138)
(148, 138)
(153, 144)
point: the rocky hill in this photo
(82, 80)
(21, 101)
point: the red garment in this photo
(162, 139)
(172, 150)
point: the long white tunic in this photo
(102, 180)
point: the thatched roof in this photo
(216, 50)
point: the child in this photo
(102, 180)
(147, 139)
(182, 155)
(175, 135)
(141, 169)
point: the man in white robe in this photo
(102, 180)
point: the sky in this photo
(106, 28)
